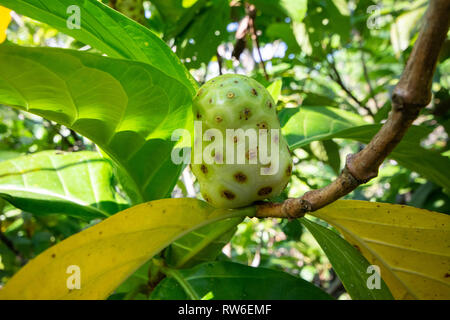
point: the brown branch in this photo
(411, 94)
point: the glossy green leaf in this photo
(129, 109)
(78, 184)
(275, 89)
(303, 125)
(296, 9)
(328, 152)
(228, 280)
(108, 31)
(348, 263)
(201, 38)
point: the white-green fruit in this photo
(233, 102)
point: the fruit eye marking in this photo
(228, 194)
(247, 112)
(269, 104)
(262, 125)
(199, 116)
(254, 92)
(240, 177)
(264, 191)
(289, 170)
(230, 95)
(204, 169)
(218, 119)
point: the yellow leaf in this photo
(107, 253)
(5, 19)
(411, 246)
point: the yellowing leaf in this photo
(5, 19)
(411, 246)
(107, 253)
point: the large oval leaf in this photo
(349, 264)
(108, 31)
(78, 184)
(301, 126)
(410, 245)
(129, 109)
(234, 281)
(107, 253)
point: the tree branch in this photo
(411, 94)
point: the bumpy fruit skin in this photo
(133, 9)
(232, 102)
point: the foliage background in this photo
(324, 53)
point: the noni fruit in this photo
(239, 155)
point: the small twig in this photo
(219, 62)
(366, 76)
(251, 12)
(241, 35)
(338, 79)
(411, 94)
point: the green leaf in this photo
(404, 27)
(178, 15)
(108, 31)
(204, 244)
(328, 152)
(275, 89)
(333, 157)
(198, 44)
(77, 184)
(295, 9)
(129, 109)
(8, 154)
(284, 32)
(349, 264)
(303, 125)
(110, 251)
(233, 281)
